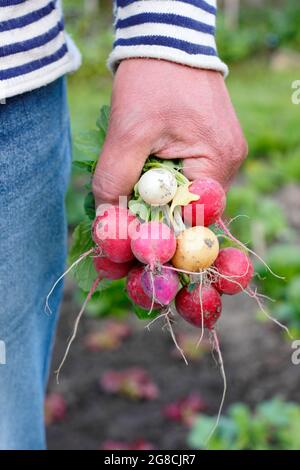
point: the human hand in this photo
(171, 111)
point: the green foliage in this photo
(110, 301)
(143, 314)
(88, 145)
(262, 98)
(84, 273)
(87, 148)
(273, 425)
(103, 120)
(260, 30)
(264, 217)
(89, 206)
(237, 44)
(284, 260)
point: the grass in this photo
(262, 98)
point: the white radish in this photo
(157, 186)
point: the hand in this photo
(171, 111)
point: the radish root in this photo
(229, 234)
(255, 296)
(170, 328)
(88, 298)
(84, 255)
(166, 315)
(153, 293)
(216, 346)
(201, 310)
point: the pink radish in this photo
(209, 207)
(110, 270)
(154, 243)
(162, 285)
(111, 233)
(135, 289)
(189, 305)
(237, 269)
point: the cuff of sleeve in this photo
(180, 31)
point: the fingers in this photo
(222, 167)
(118, 169)
(194, 168)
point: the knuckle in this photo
(132, 128)
(235, 148)
(104, 188)
(242, 147)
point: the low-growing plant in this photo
(272, 425)
(285, 258)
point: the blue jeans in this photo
(35, 157)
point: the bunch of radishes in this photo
(167, 244)
(165, 240)
(165, 259)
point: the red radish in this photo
(209, 207)
(163, 285)
(110, 270)
(154, 243)
(233, 263)
(135, 289)
(111, 233)
(189, 306)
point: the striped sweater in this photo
(35, 49)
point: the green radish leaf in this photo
(140, 208)
(89, 206)
(144, 314)
(81, 241)
(184, 279)
(89, 144)
(86, 165)
(84, 273)
(103, 119)
(192, 286)
(136, 193)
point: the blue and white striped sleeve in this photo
(181, 31)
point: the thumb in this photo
(118, 169)
(194, 168)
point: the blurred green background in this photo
(260, 41)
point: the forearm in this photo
(181, 31)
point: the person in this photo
(169, 99)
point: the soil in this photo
(257, 359)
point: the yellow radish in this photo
(197, 249)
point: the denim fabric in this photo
(34, 171)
